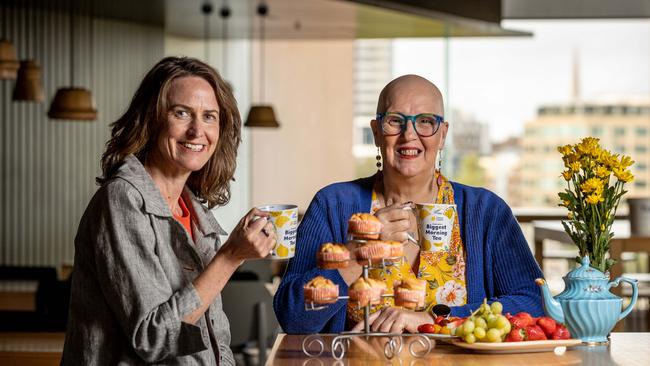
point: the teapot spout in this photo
(551, 306)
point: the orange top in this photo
(186, 218)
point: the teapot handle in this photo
(635, 293)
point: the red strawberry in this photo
(439, 319)
(521, 320)
(547, 324)
(561, 332)
(516, 335)
(535, 333)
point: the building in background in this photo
(502, 169)
(622, 126)
(470, 139)
(373, 68)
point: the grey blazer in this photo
(132, 280)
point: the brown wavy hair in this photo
(136, 131)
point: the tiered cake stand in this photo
(419, 345)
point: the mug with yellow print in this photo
(435, 225)
(285, 221)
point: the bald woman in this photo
(488, 256)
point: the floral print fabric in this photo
(443, 269)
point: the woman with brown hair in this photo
(149, 264)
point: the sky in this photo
(502, 81)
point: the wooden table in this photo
(626, 349)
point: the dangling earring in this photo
(378, 157)
(439, 169)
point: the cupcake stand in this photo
(419, 345)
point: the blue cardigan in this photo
(499, 264)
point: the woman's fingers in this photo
(396, 230)
(371, 319)
(389, 325)
(393, 212)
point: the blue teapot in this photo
(586, 306)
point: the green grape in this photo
(501, 322)
(485, 309)
(480, 323)
(493, 335)
(479, 333)
(459, 331)
(491, 320)
(496, 307)
(508, 327)
(468, 327)
(470, 338)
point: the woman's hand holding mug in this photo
(399, 223)
(253, 237)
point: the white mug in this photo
(435, 225)
(285, 222)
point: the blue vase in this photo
(586, 305)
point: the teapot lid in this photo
(585, 271)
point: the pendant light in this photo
(29, 87)
(206, 10)
(224, 13)
(73, 103)
(261, 115)
(8, 59)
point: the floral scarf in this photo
(444, 270)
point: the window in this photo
(620, 149)
(640, 184)
(619, 131)
(367, 138)
(641, 149)
(641, 167)
(641, 131)
(596, 131)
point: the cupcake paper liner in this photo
(373, 251)
(409, 298)
(365, 228)
(321, 295)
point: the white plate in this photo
(518, 347)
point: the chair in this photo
(50, 309)
(249, 307)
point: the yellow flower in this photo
(589, 146)
(588, 163)
(612, 161)
(601, 171)
(626, 161)
(594, 199)
(567, 174)
(565, 150)
(591, 185)
(623, 175)
(575, 166)
(566, 203)
(570, 215)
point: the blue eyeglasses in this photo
(395, 123)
